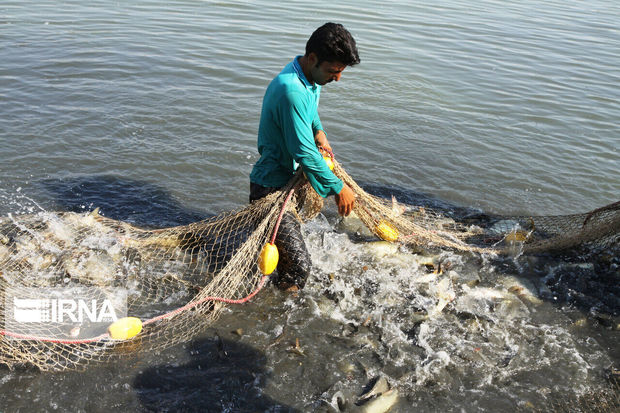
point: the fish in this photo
(419, 317)
(221, 349)
(337, 404)
(380, 404)
(346, 367)
(396, 208)
(296, 349)
(504, 226)
(490, 303)
(522, 289)
(517, 236)
(445, 294)
(354, 225)
(92, 266)
(379, 386)
(46, 248)
(512, 232)
(380, 249)
(393, 253)
(379, 398)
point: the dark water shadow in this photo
(410, 197)
(138, 202)
(222, 375)
(579, 279)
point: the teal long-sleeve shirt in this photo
(289, 119)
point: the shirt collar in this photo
(300, 74)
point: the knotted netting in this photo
(176, 280)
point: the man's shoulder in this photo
(288, 87)
(288, 78)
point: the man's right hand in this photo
(345, 200)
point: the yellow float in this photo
(268, 259)
(329, 162)
(386, 231)
(125, 328)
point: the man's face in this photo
(325, 72)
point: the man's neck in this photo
(305, 67)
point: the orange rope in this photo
(277, 226)
(205, 299)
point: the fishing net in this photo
(177, 280)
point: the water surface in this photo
(149, 110)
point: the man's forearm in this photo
(320, 138)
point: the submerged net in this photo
(176, 280)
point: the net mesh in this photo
(178, 279)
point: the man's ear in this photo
(313, 59)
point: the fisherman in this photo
(290, 133)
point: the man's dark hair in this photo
(333, 43)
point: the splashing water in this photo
(466, 329)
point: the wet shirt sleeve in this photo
(299, 121)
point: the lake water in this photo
(149, 110)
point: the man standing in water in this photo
(290, 134)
